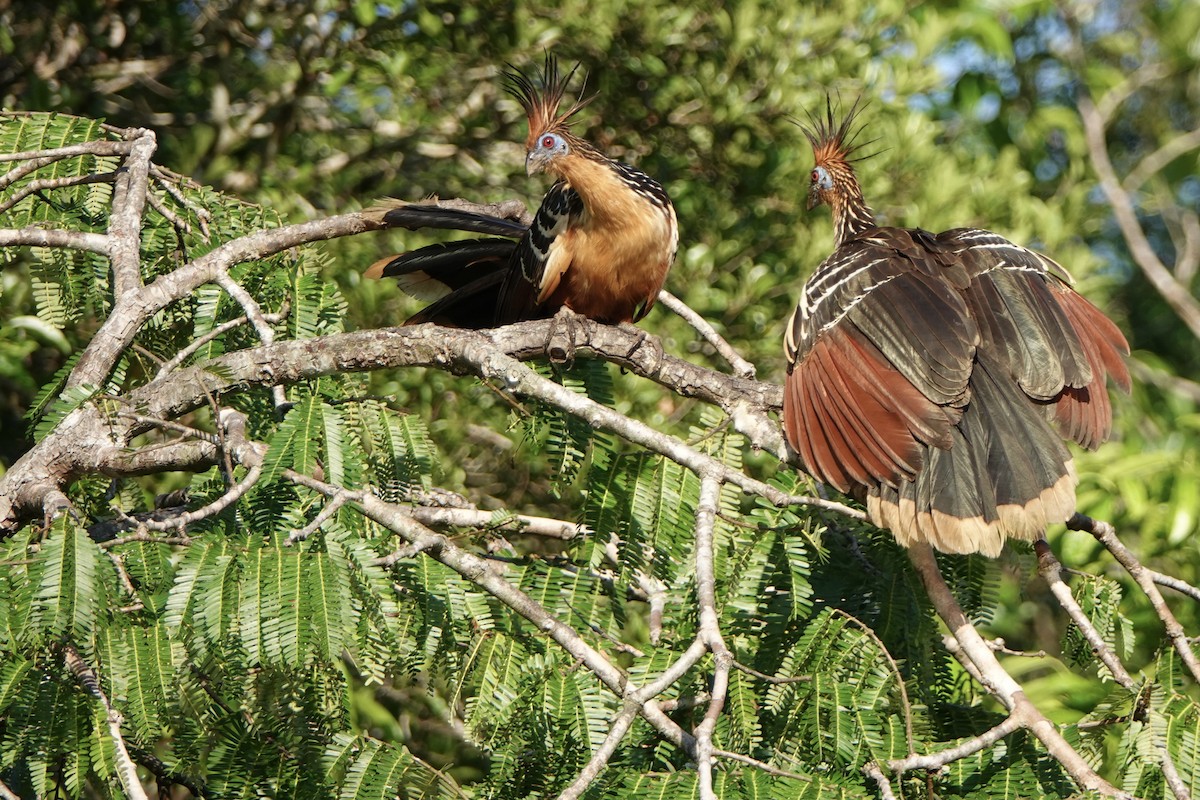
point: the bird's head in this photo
(545, 151)
(550, 139)
(834, 152)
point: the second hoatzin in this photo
(933, 375)
(600, 244)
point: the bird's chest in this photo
(615, 262)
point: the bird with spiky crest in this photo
(934, 376)
(600, 244)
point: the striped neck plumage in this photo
(851, 215)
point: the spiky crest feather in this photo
(832, 140)
(834, 151)
(542, 97)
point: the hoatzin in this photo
(600, 244)
(931, 374)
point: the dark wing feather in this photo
(924, 371)
(523, 283)
(1011, 298)
(881, 283)
(416, 216)
(470, 306)
(460, 279)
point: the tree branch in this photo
(128, 207)
(710, 628)
(741, 367)
(1105, 534)
(1175, 294)
(126, 769)
(997, 681)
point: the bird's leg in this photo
(557, 352)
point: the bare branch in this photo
(128, 207)
(741, 367)
(1144, 75)
(117, 332)
(327, 512)
(1051, 571)
(872, 771)
(48, 237)
(1174, 293)
(36, 159)
(1105, 534)
(223, 502)
(1164, 155)
(599, 759)
(126, 769)
(710, 628)
(255, 315)
(486, 520)
(218, 331)
(997, 681)
(970, 747)
(476, 570)
(43, 184)
(100, 148)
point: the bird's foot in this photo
(564, 331)
(651, 343)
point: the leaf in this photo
(69, 592)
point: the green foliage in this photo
(252, 664)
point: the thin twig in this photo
(212, 509)
(1160, 158)
(741, 366)
(760, 765)
(193, 346)
(126, 582)
(997, 681)
(485, 520)
(327, 512)
(43, 184)
(126, 769)
(970, 747)
(1051, 572)
(1106, 535)
(905, 705)
(772, 679)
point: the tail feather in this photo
(471, 306)
(416, 216)
(1006, 475)
(461, 279)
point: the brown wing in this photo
(1059, 347)
(924, 372)
(880, 352)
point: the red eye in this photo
(816, 176)
(547, 141)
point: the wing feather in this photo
(522, 290)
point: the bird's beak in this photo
(535, 163)
(814, 199)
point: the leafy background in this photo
(311, 109)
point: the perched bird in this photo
(600, 244)
(933, 375)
